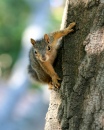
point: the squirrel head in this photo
(43, 48)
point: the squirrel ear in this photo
(46, 38)
(32, 41)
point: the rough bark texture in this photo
(79, 104)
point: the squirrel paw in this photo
(71, 25)
(50, 85)
(55, 82)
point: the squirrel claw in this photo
(71, 25)
(59, 79)
(55, 81)
(57, 85)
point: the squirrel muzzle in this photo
(44, 58)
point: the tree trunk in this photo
(79, 104)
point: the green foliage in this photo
(13, 15)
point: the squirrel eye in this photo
(35, 52)
(49, 48)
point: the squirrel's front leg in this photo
(48, 68)
(64, 32)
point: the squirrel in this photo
(42, 56)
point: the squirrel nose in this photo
(43, 57)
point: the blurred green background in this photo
(13, 16)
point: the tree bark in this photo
(79, 104)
